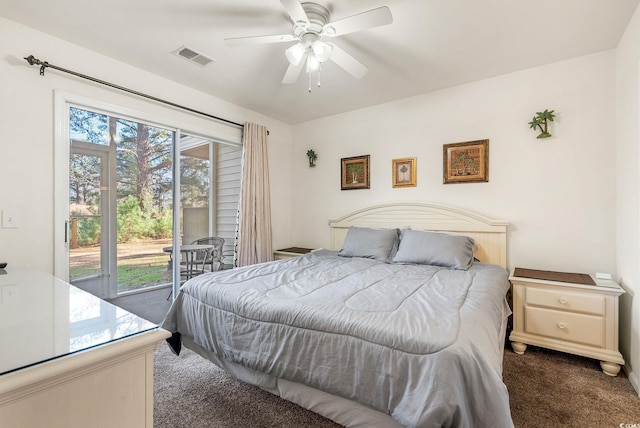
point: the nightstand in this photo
(287, 253)
(571, 317)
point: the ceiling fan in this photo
(311, 27)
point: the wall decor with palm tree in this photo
(404, 172)
(466, 162)
(354, 173)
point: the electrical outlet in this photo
(10, 219)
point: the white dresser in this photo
(575, 318)
(70, 359)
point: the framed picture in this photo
(355, 173)
(466, 162)
(404, 172)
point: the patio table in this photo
(190, 256)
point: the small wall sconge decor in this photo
(312, 157)
(403, 172)
(540, 121)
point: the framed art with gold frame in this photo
(404, 172)
(466, 162)
(354, 173)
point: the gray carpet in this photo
(546, 389)
(554, 389)
(190, 391)
(151, 305)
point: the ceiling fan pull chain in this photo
(309, 81)
(319, 69)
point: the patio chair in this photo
(227, 261)
(212, 257)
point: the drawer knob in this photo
(563, 300)
(561, 326)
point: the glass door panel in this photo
(85, 216)
(87, 201)
(144, 204)
(195, 189)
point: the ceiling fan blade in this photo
(291, 76)
(259, 40)
(295, 11)
(362, 21)
(348, 63)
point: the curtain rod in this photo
(43, 65)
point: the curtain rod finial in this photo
(35, 61)
(32, 60)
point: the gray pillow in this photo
(379, 244)
(438, 249)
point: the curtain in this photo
(255, 202)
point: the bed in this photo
(400, 323)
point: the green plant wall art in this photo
(312, 155)
(541, 122)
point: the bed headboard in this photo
(490, 235)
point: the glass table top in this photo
(43, 318)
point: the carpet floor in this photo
(546, 389)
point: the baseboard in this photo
(633, 379)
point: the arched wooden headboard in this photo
(490, 235)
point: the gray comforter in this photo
(420, 343)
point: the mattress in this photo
(422, 344)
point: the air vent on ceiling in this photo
(193, 56)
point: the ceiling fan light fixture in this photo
(312, 64)
(295, 53)
(321, 50)
(311, 23)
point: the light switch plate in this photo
(10, 219)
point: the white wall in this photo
(558, 194)
(628, 191)
(26, 134)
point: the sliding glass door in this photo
(120, 200)
(122, 178)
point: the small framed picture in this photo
(466, 162)
(404, 172)
(354, 173)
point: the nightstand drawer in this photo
(567, 299)
(578, 328)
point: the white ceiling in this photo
(431, 44)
